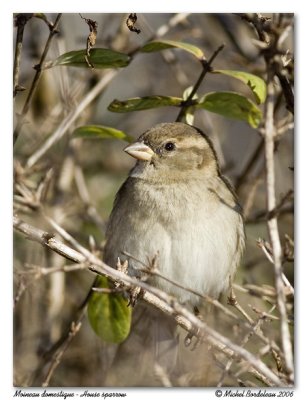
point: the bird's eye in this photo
(169, 146)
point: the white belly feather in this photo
(197, 248)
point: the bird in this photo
(177, 210)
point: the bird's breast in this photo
(189, 235)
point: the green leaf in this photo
(99, 58)
(255, 83)
(189, 115)
(158, 45)
(41, 16)
(143, 103)
(232, 105)
(189, 112)
(187, 93)
(101, 132)
(108, 314)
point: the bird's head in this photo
(173, 151)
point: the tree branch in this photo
(20, 23)
(206, 68)
(153, 296)
(48, 240)
(273, 226)
(38, 67)
(74, 329)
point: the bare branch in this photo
(232, 300)
(85, 196)
(161, 374)
(20, 23)
(244, 341)
(273, 226)
(36, 78)
(153, 296)
(74, 329)
(265, 215)
(250, 165)
(266, 248)
(36, 272)
(70, 118)
(48, 240)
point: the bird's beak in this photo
(140, 151)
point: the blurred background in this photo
(79, 179)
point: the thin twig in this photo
(287, 91)
(250, 199)
(57, 358)
(265, 314)
(272, 39)
(39, 272)
(267, 250)
(250, 164)
(244, 341)
(232, 300)
(161, 374)
(169, 56)
(48, 240)
(20, 22)
(258, 22)
(36, 78)
(85, 197)
(70, 118)
(283, 78)
(206, 68)
(56, 352)
(258, 291)
(265, 215)
(174, 21)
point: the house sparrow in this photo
(177, 210)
